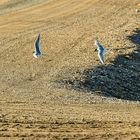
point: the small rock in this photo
(137, 10)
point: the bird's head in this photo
(96, 42)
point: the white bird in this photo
(101, 51)
(37, 51)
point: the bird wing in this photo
(101, 57)
(100, 51)
(37, 44)
(100, 47)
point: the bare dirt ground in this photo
(68, 94)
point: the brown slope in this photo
(68, 29)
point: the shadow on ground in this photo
(120, 79)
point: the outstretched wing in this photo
(37, 44)
(101, 57)
(100, 51)
(99, 46)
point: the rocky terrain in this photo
(68, 94)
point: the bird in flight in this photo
(37, 51)
(101, 51)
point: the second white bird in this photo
(101, 51)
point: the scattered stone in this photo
(138, 10)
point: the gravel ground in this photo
(68, 94)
